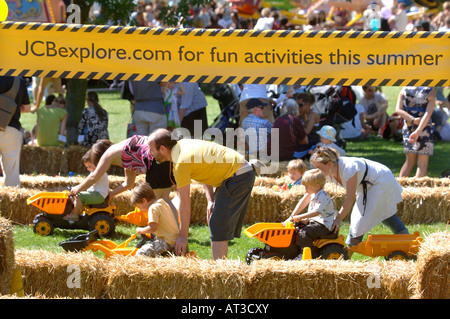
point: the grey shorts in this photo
(230, 206)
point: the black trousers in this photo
(188, 121)
(307, 234)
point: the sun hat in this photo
(328, 132)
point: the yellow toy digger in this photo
(58, 204)
(280, 244)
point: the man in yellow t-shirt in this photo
(213, 165)
(161, 221)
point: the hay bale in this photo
(431, 279)
(51, 160)
(6, 256)
(175, 277)
(329, 279)
(425, 205)
(75, 275)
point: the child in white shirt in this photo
(94, 195)
(317, 221)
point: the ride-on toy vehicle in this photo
(58, 204)
(280, 243)
(92, 241)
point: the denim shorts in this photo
(230, 206)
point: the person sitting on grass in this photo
(161, 221)
(319, 218)
(96, 194)
(296, 169)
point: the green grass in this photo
(199, 240)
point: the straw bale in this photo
(420, 205)
(431, 279)
(328, 279)
(60, 183)
(53, 160)
(425, 205)
(75, 275)
(6, 255)
(175, 277)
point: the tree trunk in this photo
(76, 99)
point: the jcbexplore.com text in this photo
(92, 52)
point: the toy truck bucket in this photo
(272, 234)
(51, 203)
(135, 217)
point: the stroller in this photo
(229, 107)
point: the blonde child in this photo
(327, 138)
(296, 168)
(161, 221)
(319, 218)
(94, 195)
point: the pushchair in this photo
(229, 107)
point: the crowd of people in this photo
(303, 132)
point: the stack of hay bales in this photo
(267, 204)
(141, 277)
(432, 277)
(6, 256)
(53, 160)
(330, 279)
(61, 275)
(82, 275)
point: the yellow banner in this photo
(225, 56)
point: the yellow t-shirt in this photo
(159, 212)
(203, 161)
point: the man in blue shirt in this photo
(256, 128)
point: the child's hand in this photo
(139, 231)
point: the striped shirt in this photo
(136, 154)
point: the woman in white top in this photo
(376, 190)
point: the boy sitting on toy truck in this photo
(161, 221)
(94, 195)
(317, 221)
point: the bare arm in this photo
(350, 189)
(130, 178)
(209, 191)
(185, 217)
(301, 205)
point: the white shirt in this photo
(383, 194)
(102, 186)
(322, 203)
(347, 128)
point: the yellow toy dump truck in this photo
(279, 243)
(391, 247)
(56, 205)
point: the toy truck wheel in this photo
(254, 254)
(333, 252)
(42, 226)
(397, 255)
(103, 223)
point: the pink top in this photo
(136, 154)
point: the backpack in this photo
(8, 104)
(341, 105)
